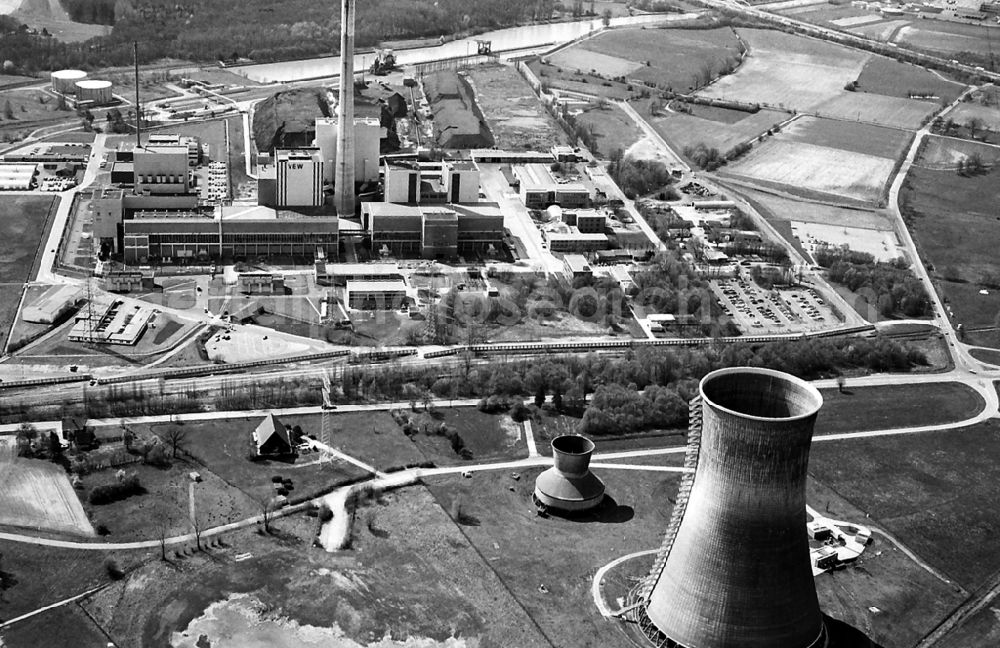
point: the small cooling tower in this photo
(569, 485)
(734, 570)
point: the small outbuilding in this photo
(271, 438)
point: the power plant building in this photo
(161, 169)
(734, 566)
(299, 178)
(431, 182)
(433, 231)
(368, 134)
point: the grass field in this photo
(944, 153)
(719, 128)
(23, 222)
(934, 490)
(953, 221)
(63, 627)
(986, 355)
(895, 406)
(486, 436)
(678, 59)
(613, 129)
(30, 106)
(223, 445)
(788, 71)
(406, 552)
(880, 30)
(815, 168)
(514, 113)
(885, 76)
(166, 500)
(37, 494)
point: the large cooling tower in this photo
(734, 569)
(569, 485)
(344, 179)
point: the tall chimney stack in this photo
(344, 177)
(734, 569)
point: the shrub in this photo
(108, 493)
(325, 514)
(115, 572)
(519, 411)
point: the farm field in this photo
(677, 59)
(944, 153)
(953, 222)
(840, 16)
(37, 494)
(719, 128)
(789, 72)
(613, 129)
(885, 76)
(932, 489)
(815, 168)
(853, 137)
(877, 109)
(514, 113)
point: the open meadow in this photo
(944, 153)
(779, 209)
(789, 72)
(987, 118)
(612, 128)
(882, 110)
(953, 220)
(677, 59)
(853, 137)
(36, 494)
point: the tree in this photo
(177, 440)
(606, 17)
(974, 124)
(540, 395)
(27, 434)
(267, 509)
(162, 526)
(8, 112)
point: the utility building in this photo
(431, 182)
(368, 134)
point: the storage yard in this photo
(514, 114)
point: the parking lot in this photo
(785, 310)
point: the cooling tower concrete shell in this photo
(569, 485)
(738, 572)
(64, 81)
(94, 90)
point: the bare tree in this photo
(177, 439)
(267, 508)
(162, 527)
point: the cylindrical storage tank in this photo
(64, 81)
(738, 570)
(569, 485)
(93, 90)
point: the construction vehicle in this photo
(385, 62)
